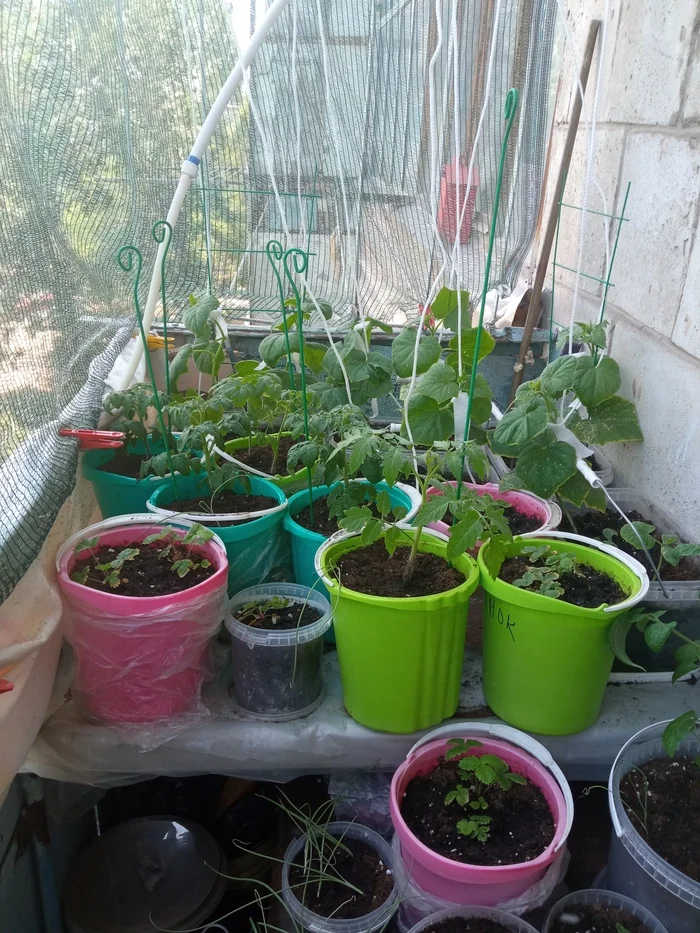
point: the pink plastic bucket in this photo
(140, 659)
(526, 503)
(476, 884)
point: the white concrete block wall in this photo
(647, 134)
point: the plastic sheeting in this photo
(327, 741)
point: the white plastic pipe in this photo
(190, 166)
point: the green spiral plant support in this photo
(125, 260)
(509, 113)
(299, 260)
(275, 252)
(162, 232)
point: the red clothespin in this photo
(89, 439)
(6, 686)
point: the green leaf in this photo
(522, 424)
(403, 349)
(392, 537)
(613, 420)
(676, 731)
(86, 544)
(178, 367)
(308, 307)
(198, 534)
(305, 452)
(197, 316)
(544, 466)
(617, 638)
(313, 358)
(395, 463)
(356, 518)
(635, 530)
(433, 511)
(575, 489)
(445, 307)
(657, 634)
(208, 355)
(559, 376)
(463, 537)
(439, 383)
(182, 567)
(594, 384)
(80, 576)
(487, 345)
(371, 532)
(429, 420)
(673, 554)
(686, 667)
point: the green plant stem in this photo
(569, 518)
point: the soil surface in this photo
(371, 570)
(147, 574)
(323, 524)
(596, 918)
(260, 458)
(467, 925)
(225, 501)
(521, 822)
(588, 588)
(278, 619)
(124, 464)
(592, 524)
(671, 789)
(357, 864)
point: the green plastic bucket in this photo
(546, 662)
(290, 483)
(115, 494)
(254, 548)
(305, 543)
(400, 659)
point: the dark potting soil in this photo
(588, 588)
(261, 458)
(466, 925)
(323, 523)
(371, 570)
(596, 918)
(278, 618)
(274, 681)
(521, 822)
(225, 501)
(361, 867)
(147, 574)
(124, 464)
(593, 523)
(671, 789)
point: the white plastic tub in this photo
(569, 903)
(507, 921)
(277, 674)
(634, 869)
(314, 923)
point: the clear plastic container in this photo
(277, 674)
(507, 921)
(634, 869)
(314, 923)
(608, 899)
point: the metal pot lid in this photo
(155, 871)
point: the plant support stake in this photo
(509, 114)
(300, 260)
(125, 260)
(162, 232)
(275, 252)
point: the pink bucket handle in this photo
(520, 739)
(634, 565)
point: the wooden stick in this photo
(533, 312)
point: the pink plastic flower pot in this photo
(140, 659)
(526, 503)
(477, 884)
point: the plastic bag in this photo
(141, 659)
(363, 798)
(417, 904)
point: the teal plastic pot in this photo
(305, 543)
(115, 494)
(254, 545)
(545, 661)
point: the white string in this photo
(269, 165)
(297, 120)
(458, 136)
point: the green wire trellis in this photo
(510, 109)
(161, 230)
(275, 253)
(125, 260)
